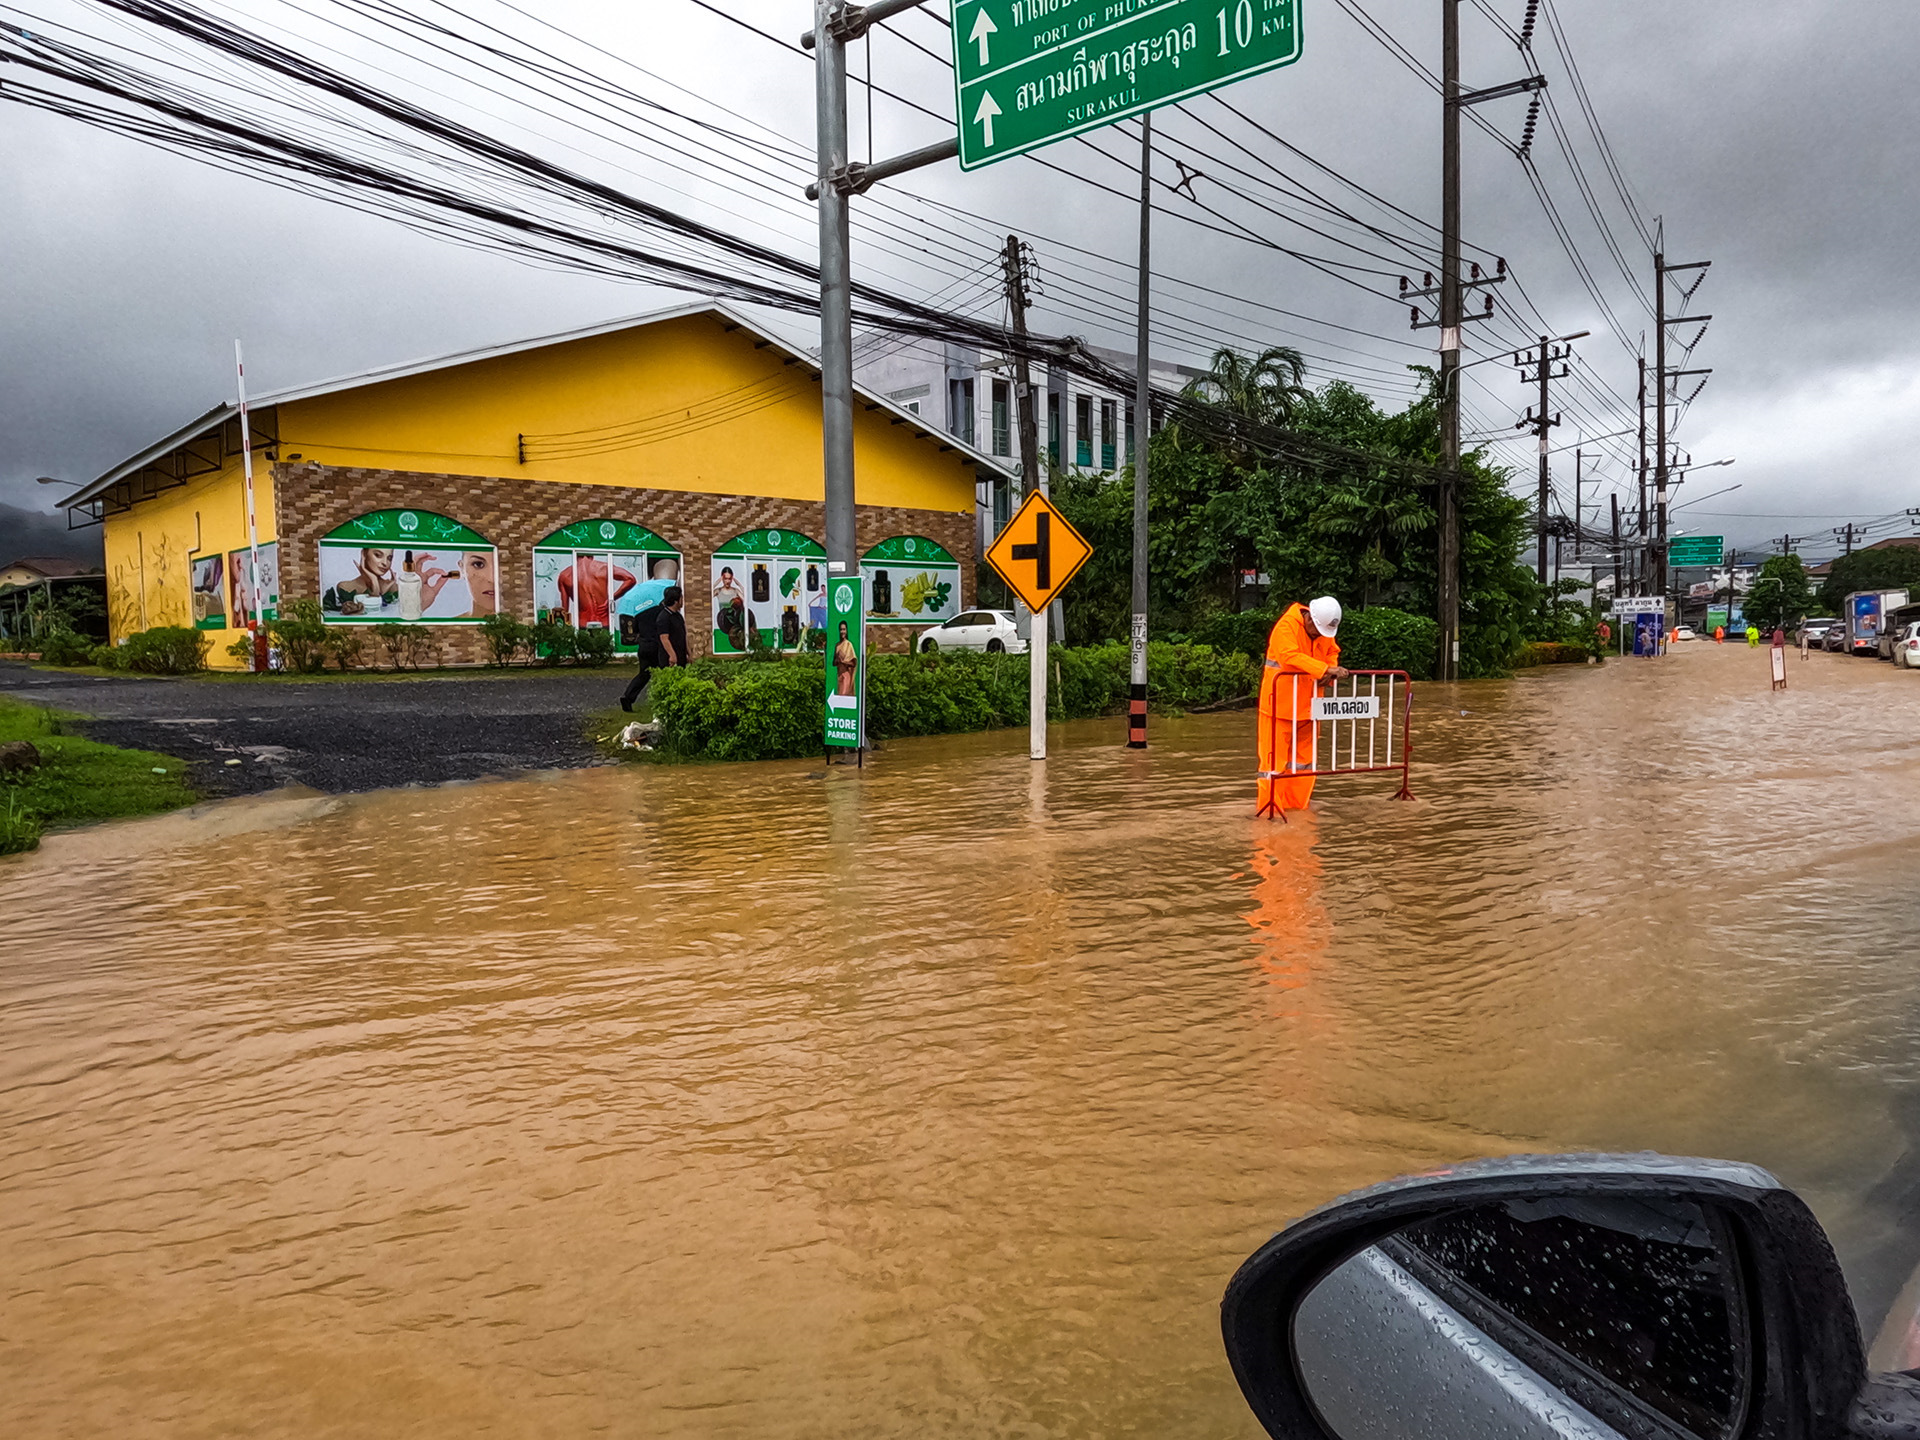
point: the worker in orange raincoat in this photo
(1301, 652)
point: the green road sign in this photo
(846, 710)
(1694, 550)
(1029, 72)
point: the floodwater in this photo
(936, 1099)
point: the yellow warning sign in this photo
(1038, 552)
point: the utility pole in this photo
(1579, 511)
(1448, 579)
(1143, 433)
(1846, 533)
(836, 286)
(1025, 412)
(1452, 313)
(1615, 500)
(1542, 421)
(1663, 378)
(1640, 567)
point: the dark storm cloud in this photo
(1776, 138)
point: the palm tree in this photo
(1266, 388)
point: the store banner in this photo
(411, 566)
(600, 574)
(240, 583)
(846, 708)
(910, 580)
(769, 590)
(209, 597)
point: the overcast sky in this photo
(1776, 137)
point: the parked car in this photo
(993, 631)
(1818, 630)
(1836, 638)
(1906, 646)
(1546, 1297)
(1685, 632)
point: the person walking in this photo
(662, 637)
(1753, 637)
(1301, 652)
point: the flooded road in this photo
(939, 1099)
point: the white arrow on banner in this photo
(983, 116)
(983, 26)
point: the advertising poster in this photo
(769, 588)
(596, 574)
(910, 580)
(240, 586)
(846, 664)
(209, 598)
(1646, 635)
(1866, 620)
(410, 566)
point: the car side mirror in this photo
(1589, 1296)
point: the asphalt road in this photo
(338, 735)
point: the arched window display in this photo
(770, 588)
(911, 580)
(601, 574)
(411, 566)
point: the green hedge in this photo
(162, 650)
(771, 709)
(1549, 652)
(1379, 638)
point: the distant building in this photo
(32, 569)
(970, 395)
(681, 445)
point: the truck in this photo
(1865, 611)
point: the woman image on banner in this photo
(1301, 652)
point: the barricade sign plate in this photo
(1358, 725)
(1346, 707)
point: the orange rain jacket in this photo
(1291, 653)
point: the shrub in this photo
(301, 635)
(63, 647)
(109, 657)
(242, 649)
(346, 648)
(167, 650)
(418, 647)
(1244, 633)
(506, 637)
(555, 641)
(1386, 639)
(592, 646)
(1549, 652)
(759, 712)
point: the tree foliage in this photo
(1780, 595)
(1887, 569)
(1363, 531)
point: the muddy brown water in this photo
(938, 1099)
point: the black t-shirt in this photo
(671, 627)
(646, 626)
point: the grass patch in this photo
(80, 781)
(351, 677)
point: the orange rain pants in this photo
(1295, 663)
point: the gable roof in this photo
(732, 319)
(51, 567)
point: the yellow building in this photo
(549, 478)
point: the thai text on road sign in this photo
(1688, 551)
(1346, 707)
(1640, 605)
(1038, 552)
(1029, 72)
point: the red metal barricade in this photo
(1360, 725)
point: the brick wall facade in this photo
(515, 515)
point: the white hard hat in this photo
(1326, 614)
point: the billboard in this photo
(910, 580)
(209, 599)
(595, 574)
(240, 582)
(410, 566)
(769, 589)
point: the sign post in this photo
(1029, 72)
(846, 680)
(1037, 554)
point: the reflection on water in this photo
(936, 1098)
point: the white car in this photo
(1906, 649)
(993, 631)
(1683, 632)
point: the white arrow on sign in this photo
(983, 116)
(983, 26)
